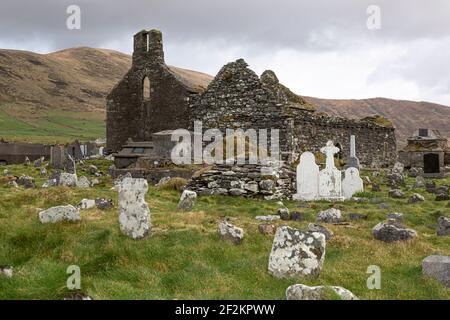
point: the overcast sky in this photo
(316, 47)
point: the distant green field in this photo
(52, 127)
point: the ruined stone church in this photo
(153, 97)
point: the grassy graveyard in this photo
(183, 257)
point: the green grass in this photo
(52, 126)
(183, 258)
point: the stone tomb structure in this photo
(154, 97)
(326, 184)
(427, 151)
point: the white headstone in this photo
(307, 178)
(330, 177)
(352, 183)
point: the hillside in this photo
(406, 115)
(61, 96)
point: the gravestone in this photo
(330, 177)
(352, 183)
(134, 214)
(307, 178)
(57, 157)
(296, 253)
(353, 161)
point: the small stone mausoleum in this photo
(427, 151)
(154, 97)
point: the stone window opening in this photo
(146, 42)
(146, 90)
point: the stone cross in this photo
(330, 150)
(352, 161)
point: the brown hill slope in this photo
(77, 80)
(406, 115)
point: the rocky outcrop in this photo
(331, 215)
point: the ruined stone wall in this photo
(238, 98)
(375, 144)
(132, 115)
(244, 180)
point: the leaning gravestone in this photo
(330, 177)
(307, 178)
(187, 200)
(134, 214)
(437, 267)
(352, 183)
(60, 213)
(296, 253)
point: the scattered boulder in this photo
(437, 267)
(13, 184)
(313, 227)
(77, 296)
(83, 182)
(420, 182)
(297, 216)
(384, 205)
(267, 218)
(392, 231)
(376, 187)
(303, 292)
(398, 167)
(26, 181)
(95, 182)
(430, 186)
(6, 271)
(284, 213)
(395, 179)
(134, 214)
(267, 228)
(357, 216)
(331, 215)
(229, 232)
(68, 179)
(187, 200)
(395, 216)
(396, 194)
(415, 172)
(442, 189)
(93, 169)
(442, 197)
(416, 198)
(104, 204)
(50, 183)
(38, 163)
(443, 226)
(60, 213)
(6, 172)
(162, 181)
(296, 253)
(86, 204)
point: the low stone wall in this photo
(244, 180)
(154, 175)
